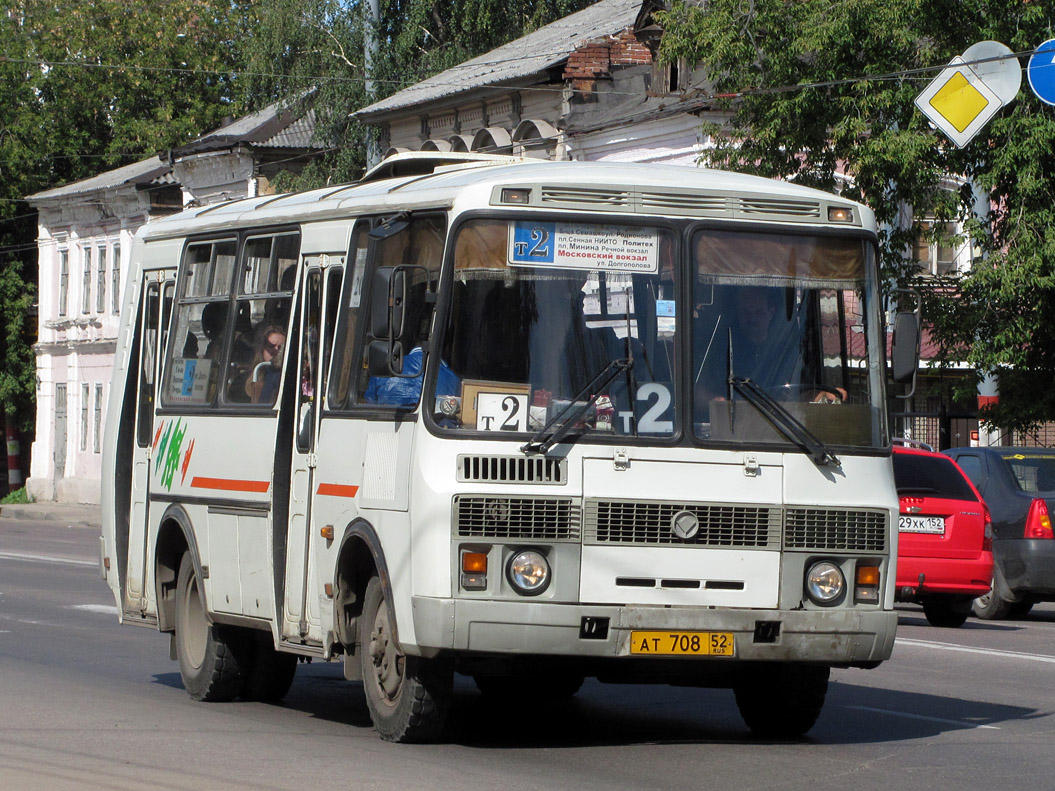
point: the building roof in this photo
(536, 52)
(272, 127)
(147, 171)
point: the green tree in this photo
(811, 99)
(88, 85)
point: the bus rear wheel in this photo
(782, 701)
(212, 657)
(408, 696)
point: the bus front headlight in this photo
(528, 572)
(825, 583)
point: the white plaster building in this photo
(84, 238)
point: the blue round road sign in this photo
(1041, 71)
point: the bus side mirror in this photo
(905, 349)
(388, 297)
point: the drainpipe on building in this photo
(14, 456)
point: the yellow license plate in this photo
(682, 643)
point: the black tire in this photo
(781, 701)
(994, 605)
(212, 658)
(270, 674)
(408, 696)
(1020, 609)
(556, 686)
(945, 611)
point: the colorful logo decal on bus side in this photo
(168, 452)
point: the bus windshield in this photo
(784, 316)
(541, 311)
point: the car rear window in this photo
(1032, 473)
(930, 476)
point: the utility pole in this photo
(373, 150)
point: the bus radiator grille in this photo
(852, 530)
(628, 522)
(534, 518)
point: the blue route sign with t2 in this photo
(1041, 72)
(612, 248)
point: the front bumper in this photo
(836, 636)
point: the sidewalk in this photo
(73, 514)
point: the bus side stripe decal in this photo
(229, 485)
(337, 490)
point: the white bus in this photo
(528, 422)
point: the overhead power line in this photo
(432, 82)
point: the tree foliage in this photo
(85, 86)
(813, 99)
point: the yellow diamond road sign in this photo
(958, 102)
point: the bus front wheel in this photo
(781, 701)
(212, 657)
(408, 696)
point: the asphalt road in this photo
(88, 704)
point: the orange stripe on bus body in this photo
(230, 485)
(337, 490)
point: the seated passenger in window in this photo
(262, 385)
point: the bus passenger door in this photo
(301, 619)
(156, 301)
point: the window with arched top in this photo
(436, 145)
(492, 140)
(535, 138)
(461, 143)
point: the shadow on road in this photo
(607, 715)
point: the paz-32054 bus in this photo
(529, 422)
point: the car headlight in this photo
(528, 572)
(825, 583)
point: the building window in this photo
(115, 279)
(85, 394)
(100, 282)
(64, 280)
(936, 256)
(98, 438)
(86, 293)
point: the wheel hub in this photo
(386, 658)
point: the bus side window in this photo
(147, 365)
(420, 245)
(347, 320)
(263, 303)
(192, 365)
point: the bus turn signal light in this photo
(474, 571)
(866, 588)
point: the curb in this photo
(73, 515)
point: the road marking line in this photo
(984, 651)
(46, 559)
(959, 723)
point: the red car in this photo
(945, 542)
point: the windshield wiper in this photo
(789, 425)
(561, 423)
